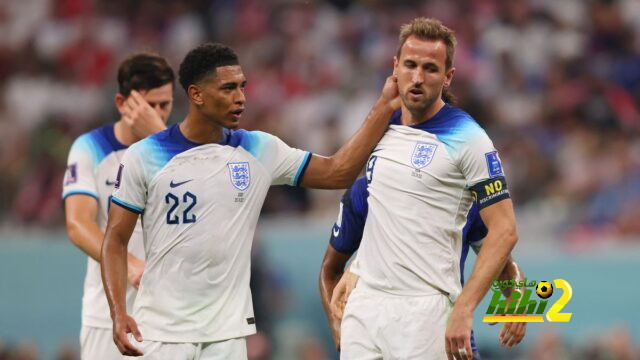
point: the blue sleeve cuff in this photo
(127, 206)
(301, 169)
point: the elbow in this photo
(510, 237)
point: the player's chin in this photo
(232, 123)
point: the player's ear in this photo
(449, 77)
(195, 94)
(119, 100)
(395, 65)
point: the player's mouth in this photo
(237, 113)
(415, 93)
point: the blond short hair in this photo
(429, 29)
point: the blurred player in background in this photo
(345, 240)
(201, 186)
(422, 178)
(144, 100)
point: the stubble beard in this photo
(418, 110)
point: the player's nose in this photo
(240, 98)
(417, 78)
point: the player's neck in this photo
(200, 131)
(124, 134)
(410, 118)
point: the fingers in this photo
(504, 331)
(512, 334)
(458, 349)
(335, 333)
(337, 307)
(124, 345)
(448, 349)
(518, 331)
(337, 301)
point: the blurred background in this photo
(556, 84)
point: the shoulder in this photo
(253, 142)
(457, 121)
(158, 143)
(456, 129)
(97, 143)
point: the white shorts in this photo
(97, 343)
(378, 325)
(232, 349)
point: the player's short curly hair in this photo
(143, 71)
(429, 29)
(203, 60)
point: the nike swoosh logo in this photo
(336, 231)
(110, 183)
(172, 184)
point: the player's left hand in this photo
(458, 335)
(512, 334)
(341, 293)
(141, 117)
(335, 323)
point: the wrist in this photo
(463, 307)
(118, 312)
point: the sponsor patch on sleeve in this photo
(72, 174)
(493, 164)
(490, 191)
(119, 176)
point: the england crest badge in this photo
(240, 175)
(423, 154)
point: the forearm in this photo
(491, 260)
(511, 271)
(351, 157)
(114, 273)
(340, 170)
(87, 236)
(327, 283)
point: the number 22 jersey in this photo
(200, 206)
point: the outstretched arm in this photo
(114, 276)
(341, 169)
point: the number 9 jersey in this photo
(200, 205)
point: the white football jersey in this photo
(91, 170)
(422, 181)
(200, 205)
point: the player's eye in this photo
(431, 68)
(410, 64)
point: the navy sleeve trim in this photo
(302, 169)
(490, 191)
(129, 207)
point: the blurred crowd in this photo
(556, 84)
